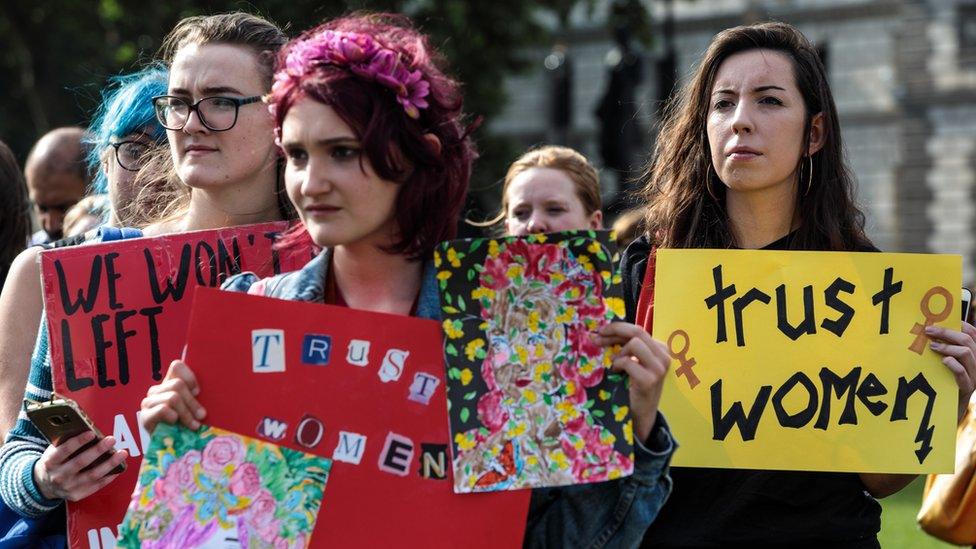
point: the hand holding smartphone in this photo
(60, 419)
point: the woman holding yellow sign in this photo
(750, 156)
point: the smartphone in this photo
(965, 303)
(60, 419)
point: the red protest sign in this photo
(117, 315)
(363, 389)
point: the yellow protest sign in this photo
(812, 361)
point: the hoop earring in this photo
(809, 175)
(708, 181)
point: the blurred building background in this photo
(591, 74)
(903, 73)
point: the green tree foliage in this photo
(55, 55)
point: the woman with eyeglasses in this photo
(123, 132)
(223, 152)
(221, 135)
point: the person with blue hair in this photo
(123, 132)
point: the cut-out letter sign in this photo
(268, 351)
(433, 461)
(392, 367)
(350, 448)
(396, 455)
(316, 349)
(358, 354)
(272, 429)
(309, 432)
(423, 387)
(367, 424)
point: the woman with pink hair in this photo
(377, 166)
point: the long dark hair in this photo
(686, 200)
(15, 223)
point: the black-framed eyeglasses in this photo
(217, 113)
(130, 155)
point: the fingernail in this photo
(930, 329)
(196, 391)
(201, 413)
(194, 425)
(934, 345)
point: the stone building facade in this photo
(903, 74)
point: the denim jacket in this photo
(605, 514)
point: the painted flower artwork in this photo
(532, 401)
(214, 488)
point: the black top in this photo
(747, 508)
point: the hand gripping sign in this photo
(808, 360)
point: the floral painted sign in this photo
(215, 488)
(532, 402)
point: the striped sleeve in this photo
(25, 444)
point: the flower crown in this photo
(365, 57)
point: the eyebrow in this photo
(140, 133)
(135, 135)
(208, 91)
(325, 142)
(759, 89)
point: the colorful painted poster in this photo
(532, 402)
(215, 488)
(117, 315)
(814, 361)
(363, 389)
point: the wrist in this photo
(40, 487)
(643, 418)
(643, 411)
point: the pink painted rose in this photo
(269, 532)
(495, 276)
(498, 357)
(221, 452)
(597, 447)
(246, 481)
(541, 260)
(178, 479)
(577, 425)
(262, 510)
(490, 410)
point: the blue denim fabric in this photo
(606, 514)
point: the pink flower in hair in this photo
(414, 99)
(354, 49)
(362, 55)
